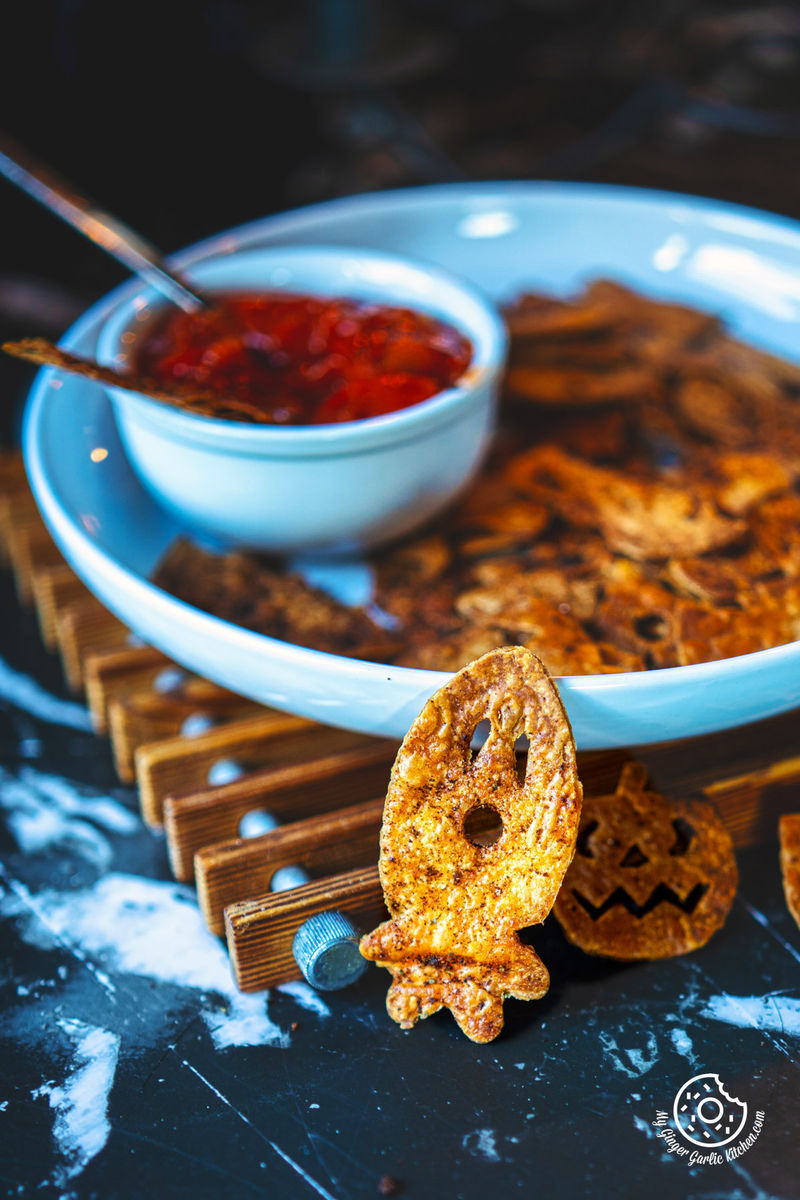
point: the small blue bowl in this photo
(317, 488)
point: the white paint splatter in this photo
(682, 1043)
(81, 1127)
(482, 1143)
(25, 693)
(245, 1023)
(644, 1126)
(46, 810)
(631, 1060)
(774, 1013)
(146, 927)
(19, 901)
(306, 997)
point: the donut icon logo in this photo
(705, 1114)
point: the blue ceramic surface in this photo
(742, 264)
(315, 488)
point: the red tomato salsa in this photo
(306, 361)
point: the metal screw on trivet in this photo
(325, 947)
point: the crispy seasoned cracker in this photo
(642, 518)
(454, 650)
(189, 397)
(651, 878)
(712, 580)
(789, 833)
(696, 482)
(706, 633)
(543, 317)
(640, 614)
(745, 480)
(656, 329)
(776, 535)
(456, 905)
(239, 588)
(570, 590)
(562, 645)
(601, 435)
(653, 521)
(552, 632)
(757, 373)
(515, 523)
(570, 386)
(714, 412)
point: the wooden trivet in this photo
(322, 788)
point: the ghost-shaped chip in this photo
(652, 877)
(473, 847)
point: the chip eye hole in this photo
(480, 736)
(483, 825)
(684, 835)
(652, 627)
(582, 845)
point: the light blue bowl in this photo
(735, 261)
(315, 488)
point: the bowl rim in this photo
(484, 326)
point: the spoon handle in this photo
(104, 230)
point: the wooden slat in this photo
(751, 803)
(231, 872)
(17, 507)
(178, 766)
(144, 715)
(260, 931)
(289, 793)
(599, 770)
(85, 628)
(109, 674)
(13, 477)
(54, 588)
(30, 547)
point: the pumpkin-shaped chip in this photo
(651, 877)
(457, 892)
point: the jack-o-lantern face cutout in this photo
(458, 890)
(651, 877)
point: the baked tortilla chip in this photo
(456, 903)
(642, 518)
(652, 877)
(789, 833)
(239, 588)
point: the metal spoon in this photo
(100, 227)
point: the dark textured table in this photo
(130, 1062)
